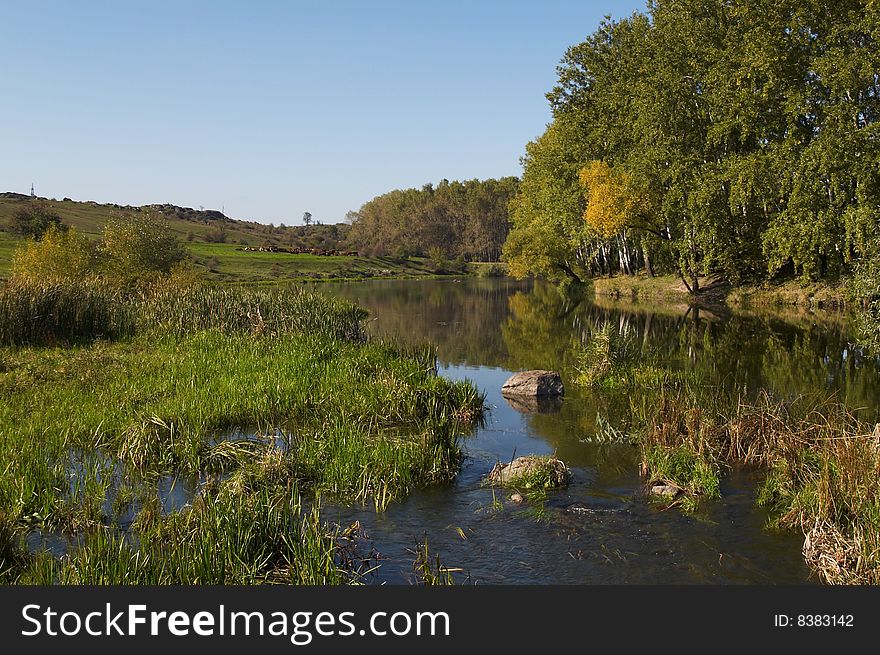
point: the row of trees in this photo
(467, 220)
(734, 137)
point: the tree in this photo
(33, 219)
(708, 136)
(307, 218)
(548, 235)
(462, 220)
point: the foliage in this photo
(548, 236)
(34, 219)
(613, 204)
(737, 139)
(139, 246)
(466, 220)
(59, 255)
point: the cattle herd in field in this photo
(301, 251)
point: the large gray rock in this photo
(533, 383)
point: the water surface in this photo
(601, 529)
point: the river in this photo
(601, 529)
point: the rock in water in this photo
(665, 490)
(547, 471)
(533, 383)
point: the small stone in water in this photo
(517, 498)
(664, 490)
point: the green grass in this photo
(88, 430)
(8, 244)
(230, 263)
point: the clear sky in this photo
(271, 109)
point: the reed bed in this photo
(260, 311)
(63, 311)
(821, 462)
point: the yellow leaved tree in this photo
(614, 201)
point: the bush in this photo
(491, 270)
(139, 247)
(61, 254)
(34, 220)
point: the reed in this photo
(261, 311)
(62, 312)
(821, 464)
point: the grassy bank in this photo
(230, 263)
(671, 290)
(258, 397)
(819, 461)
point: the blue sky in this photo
(271, 109)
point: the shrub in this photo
(34, 220)
(139, 247)
(61, 254)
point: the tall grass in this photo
(225, 538)
(821, 463)
(61, 312)
(258, 311)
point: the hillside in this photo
(218, 242)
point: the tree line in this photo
(463, 220)
(728, 137)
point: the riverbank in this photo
(670, 289)
(206, 431)
(815, 458)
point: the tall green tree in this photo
(746, 132)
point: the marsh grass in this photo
(62, 312)
(612, 361)
(89, 430)
(428, 568)
(821, 464)
(261, 311)
(226, 537)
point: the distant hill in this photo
(224, 248)
(199, 225)
(194, 226)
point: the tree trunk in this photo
(649, 268)
(567, 270)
